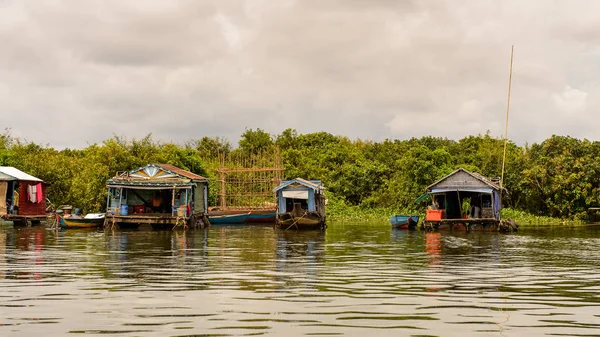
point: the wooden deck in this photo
(21, 220)
(461, 224)
(157, 220)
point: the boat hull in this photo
(261, 217)
(80, 223)
(228, 219)
(404, 221)
(308, 221)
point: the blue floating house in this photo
(157, 194)
(300, 204)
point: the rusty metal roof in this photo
(181, 172)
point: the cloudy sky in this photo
(76, 72)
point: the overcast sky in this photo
(76, 72)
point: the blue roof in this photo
(316, 185)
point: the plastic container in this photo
(124, 210)
(137, 209)
(434, 214)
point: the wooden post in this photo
(222, 176)
(107, 200)
(186, 201)
(120, 199)
(173, 200)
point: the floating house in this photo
(300, 204)
(464, 198)
(22, 197)
(161, 195)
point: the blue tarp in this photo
(496, 204)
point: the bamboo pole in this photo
(512, 51)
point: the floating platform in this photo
(21, 220)
(156, 220)
(485, 224)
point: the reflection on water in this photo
(353, 279)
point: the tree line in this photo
(559, 177)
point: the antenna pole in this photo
(512, 52)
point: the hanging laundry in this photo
(31, 193)
(38, 192)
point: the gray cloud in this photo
(75, 72)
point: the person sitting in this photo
(435, 205)
(474, 212)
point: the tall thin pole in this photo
(512, 52)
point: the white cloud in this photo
(370, 69)
(571, 100)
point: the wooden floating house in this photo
(300, 204)
(161, 195)
(450, 194)
(22, 197)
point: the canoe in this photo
(261, 216)
(404, 221)
(73, 223)
(229, 219)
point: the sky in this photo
(73, 73)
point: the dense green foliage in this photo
(559, 177)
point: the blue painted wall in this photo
(311, 199)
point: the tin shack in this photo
(300, 204)
(22, 197)
(161, 195)
(465, 199)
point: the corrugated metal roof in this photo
(11, 173)
(314, 184)
(477, 176)
(180, 171)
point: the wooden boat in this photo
(89, 222)
(229, 219)
(261, 216)
(404, 221)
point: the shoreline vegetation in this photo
(554, 182)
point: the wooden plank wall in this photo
(25, 206)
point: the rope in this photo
(295, 222)
(180, 221)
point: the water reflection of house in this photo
(157, 194)
(464, 198)
(22, 197)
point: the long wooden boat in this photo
(404, 221)
(262, 216)
(228, 219)
(79, 222)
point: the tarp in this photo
(497, 205)
(16, 174)
(301, 194)
(463, 189)
(422, 197)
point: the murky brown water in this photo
(352, 280)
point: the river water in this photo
(351, 280)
